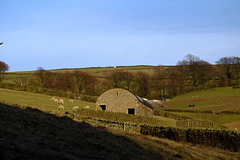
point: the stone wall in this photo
(126, 126)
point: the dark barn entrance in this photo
(131, 111)
(103, 107)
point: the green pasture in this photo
(216, 100)
(44, 103)
(166, 121)
(222, 119)
(40, 101)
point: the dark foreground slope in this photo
(31, 134)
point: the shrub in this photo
(216, 138)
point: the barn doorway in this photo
(103, 107)
(131, 111)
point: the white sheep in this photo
(61, 107)
(86, 107)
(60, 101)
(53, 99)
(75, 108)
(70, 100)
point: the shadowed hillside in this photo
(32, 134)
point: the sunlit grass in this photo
(218, 99)
(39, 101)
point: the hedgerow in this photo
(216, 138)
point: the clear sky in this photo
(58, 34)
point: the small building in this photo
(123, 101)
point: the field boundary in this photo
(223, 139)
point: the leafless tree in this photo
(195, 69)
(230, 67)
(141, 84)
(121, 79)
(3, 68)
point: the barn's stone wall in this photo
(120, 100)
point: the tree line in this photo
(191, 73)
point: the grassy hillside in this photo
(44, 103)
(31, 134)
(215, 100)
(40, 101)
(211, 100)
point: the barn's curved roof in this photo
(140, 99)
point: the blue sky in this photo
(58, 34)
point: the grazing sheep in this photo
(70, 100)
(53, 98)
(61, 107)
(60, 101)
(86, 107)
(75, 108)
(191, 105)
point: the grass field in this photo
(215, 100)
(218, 99)
(44, 103)
(40, 101)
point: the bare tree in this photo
(195, 69)
(90, 82)
(176, 82)
(230, 69)
(41, 73)
(121, 79)
(85, 82)
(141, 83)
(236, 70)
(3, 68)
(159, 82)
(80, 80)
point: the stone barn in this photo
(120, 100)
